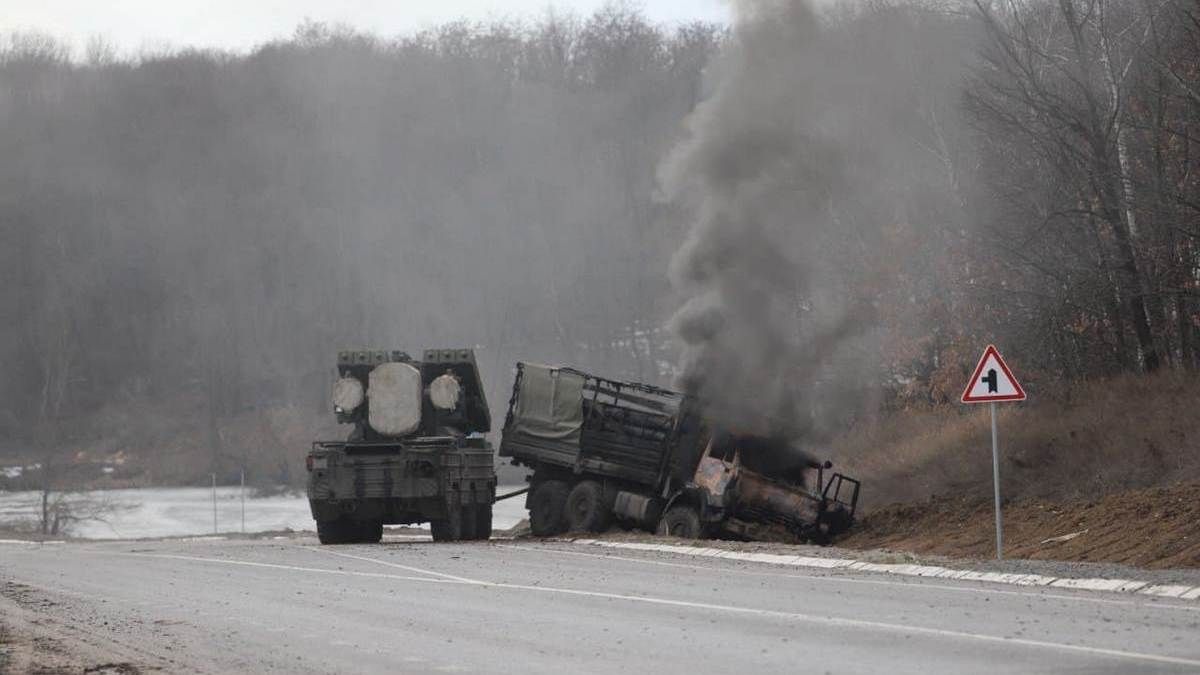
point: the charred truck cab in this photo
(415, 454)
(601, 449)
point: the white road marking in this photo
(391, 564)
(294, 568)
(732, 609)
(1116, 585)
(794, 616)
(871, 582)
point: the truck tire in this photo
(369, 532)
(587, 508)
(333, 531)
(449, 528)
(681, 521)
(483, 521)
(547, 506)
(470, 522)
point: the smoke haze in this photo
(855, 197)
(759, 169)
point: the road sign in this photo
(992, 381)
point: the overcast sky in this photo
(241, 24)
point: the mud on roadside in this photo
(1154, 528)
(29, 643)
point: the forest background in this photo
(187, 237)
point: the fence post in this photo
(214, 493)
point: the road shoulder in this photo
(37, 637)
(1177, 584)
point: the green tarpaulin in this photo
(550, 403)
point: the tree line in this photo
(189, 236)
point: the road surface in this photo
(289, 605)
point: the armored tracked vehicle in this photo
(601, 450)
(415, 454)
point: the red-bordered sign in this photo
(992, 381)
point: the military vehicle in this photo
(600, 450)
(415, 454)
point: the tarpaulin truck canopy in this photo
(549, 404)
(561, 417)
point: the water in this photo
(174, 512)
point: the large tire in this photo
(587, 508)
(369, 532)
(681, 521)
(483, 521)
(333, 531)
(449, 528)
(470, 522)
(547, 504)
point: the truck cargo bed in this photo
(624, 430)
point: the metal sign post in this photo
(996, 486)
(993, 382)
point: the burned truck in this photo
(602, 450)
(415, 453)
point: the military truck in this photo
(602, 450)
(415, 453)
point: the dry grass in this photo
(1152, 527)
(1093, 439)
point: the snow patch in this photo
(913, 570)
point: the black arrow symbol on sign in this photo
(990, 381)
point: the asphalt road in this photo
(410, 606)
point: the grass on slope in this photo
(1092, 439)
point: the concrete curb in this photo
(911, 570)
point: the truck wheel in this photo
(469, 522)
(547, 504)
(483, 521)
(681, 521)
(449, 528)
(587, 509)
(370, 532)
(332, 531)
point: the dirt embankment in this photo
(1087, 440)
(1152, 527)
(1100, 470)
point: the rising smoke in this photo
(758, 171)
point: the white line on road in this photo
(733, 609)
(837, 578)
(391, 564)
(294, 568)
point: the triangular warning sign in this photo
(992, 381)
